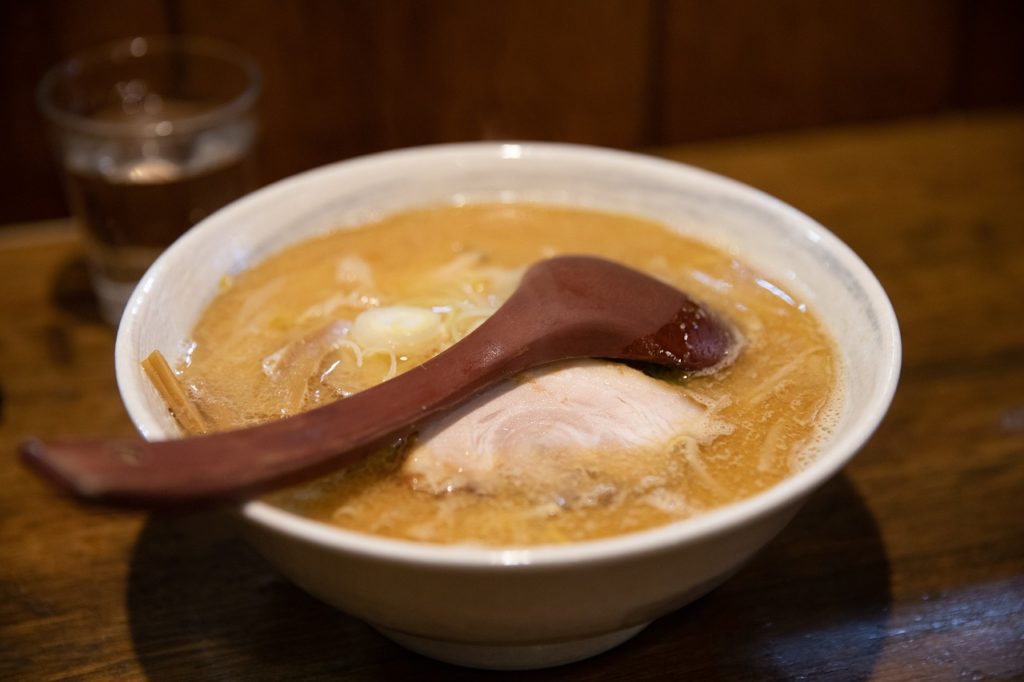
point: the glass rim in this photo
(140, 47)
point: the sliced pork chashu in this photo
(576, 433)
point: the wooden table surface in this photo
(908, 566)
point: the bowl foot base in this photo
(511, 656)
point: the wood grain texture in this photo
(348, 77)
(907, 566)
(354, 77)
(750, 67)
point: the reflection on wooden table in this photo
(909, 565)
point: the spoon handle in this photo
(245, 462)
(566, 307)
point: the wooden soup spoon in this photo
(566, 307)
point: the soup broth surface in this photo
(293, 333)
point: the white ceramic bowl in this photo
(523, 607)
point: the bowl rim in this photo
(788, 492)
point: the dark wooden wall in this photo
(347, 77)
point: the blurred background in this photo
(348, 77)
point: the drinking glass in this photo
(153, 134)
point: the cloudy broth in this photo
(284, 337)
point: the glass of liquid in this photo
(153, 134)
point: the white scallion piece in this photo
(402, 329)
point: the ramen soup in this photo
(572, 451)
